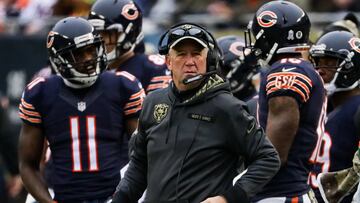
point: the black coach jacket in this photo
(187, 151)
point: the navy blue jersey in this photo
(84, 128)
(45, 73)
(339, 142)
(151, 71)
(296, 78)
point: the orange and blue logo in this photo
(237, 48)
(355, 44)
(50, 39)
(130, 12)
(267, 19)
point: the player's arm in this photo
(288, 86)
(31, 143)
(282, 124)
(133, 105)
(131, 125)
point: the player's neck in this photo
(120, 60)
(341, 97)
(282, 56)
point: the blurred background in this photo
(24, 25)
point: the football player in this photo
(83, 113)
(241, 70)
(292, 100)
(120, 24)
(336, 56)
(239, 73)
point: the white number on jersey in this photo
(91, 143)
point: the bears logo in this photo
(237, 48)
(355, 44)
(130, 12)
(50, 39)
(160, 112)
(267, 19)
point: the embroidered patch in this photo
(160, 112)
(201, 117)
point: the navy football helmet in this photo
(345, 47)
(237, 67)
(280, 27)
(76, 52)
(119, 18)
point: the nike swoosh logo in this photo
(288, 69)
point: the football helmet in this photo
(237, 68)
(121, 18)
(345, 47)
(76, 52)
(349, 23)
(280, 27)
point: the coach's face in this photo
(185, 60)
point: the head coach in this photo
(192, 134)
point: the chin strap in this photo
(331, 87)
(78, 86)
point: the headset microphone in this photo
(197, 77)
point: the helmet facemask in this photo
(344, 68)
(81, 63)
(120, 24)
(117, 42)
(240, 64)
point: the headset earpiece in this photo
(213, 60)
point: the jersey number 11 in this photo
(91, 143)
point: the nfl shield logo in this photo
(81, 106)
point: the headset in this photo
(214, 56)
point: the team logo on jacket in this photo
(160, 112)
(81, 106)
(267, 19)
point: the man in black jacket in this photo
(192, 134)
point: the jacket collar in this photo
(213, 84)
